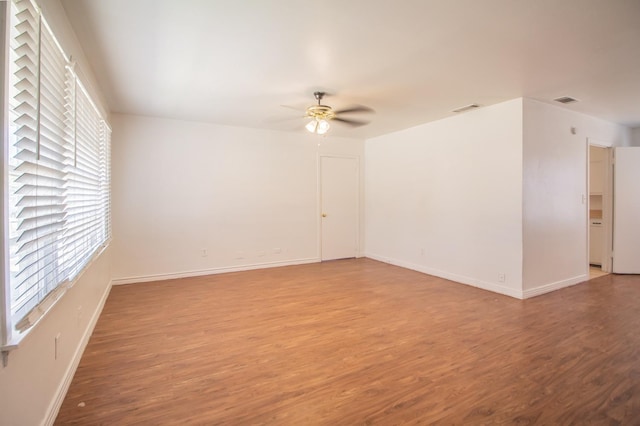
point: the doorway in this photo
(339, 203)
(599, 210)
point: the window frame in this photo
(5, 301)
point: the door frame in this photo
(607, 204)
(358, 201)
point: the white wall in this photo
(554, 182)
(248, 197)
(34, 383)
(445, 198)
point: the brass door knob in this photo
(324, 215)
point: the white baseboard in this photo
(211, 271)
(547, 288)
(496, 288)
(56, 403)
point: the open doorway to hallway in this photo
(599, 211)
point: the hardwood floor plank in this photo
(359, 342)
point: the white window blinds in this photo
(87, 185)
(58, 150)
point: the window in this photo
(57, 162)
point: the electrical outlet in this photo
(56, 346)
(502, 277)
(421, 252)
(277, 250)
(203, 252)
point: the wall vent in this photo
(566, 100)
(466, 108)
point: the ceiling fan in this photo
(321, 115)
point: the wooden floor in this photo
(359, 342)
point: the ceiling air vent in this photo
(466, 108)
(566, 100)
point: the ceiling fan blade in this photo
(354, 108)
(295, 108)
(353, 123)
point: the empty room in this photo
(346, 212)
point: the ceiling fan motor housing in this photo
(320, 112)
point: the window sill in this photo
(37, 314)
(25, 325)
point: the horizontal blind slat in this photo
(33, 244)
(30, 212)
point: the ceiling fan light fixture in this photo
(319, 126)
(312, 126)
(323, 127)
(320, 115)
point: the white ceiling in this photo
(237, 62)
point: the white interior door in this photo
(339, 204)
(626, 211)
